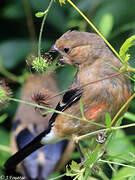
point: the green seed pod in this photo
(5, 94)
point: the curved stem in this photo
(10, 75)
(96, 30)
(122, 108)
(42, 26)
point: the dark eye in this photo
(66, 50)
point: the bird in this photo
(29, 122)
(94, 61)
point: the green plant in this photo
(96, 155)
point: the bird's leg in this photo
(101, 137)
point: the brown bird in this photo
(29, 122)
(90, 54)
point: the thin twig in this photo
(87, 84)
(96, 30)
(122, 108)
(101, 130)
(55, 111)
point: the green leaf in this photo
(69, 172)
(108, 120)
(75, 167)
(81, 177)
(118, 123)
(14, 10)
(126, 27)
(3, 117)
(14, 51)
(118, 9)
(130, 116)
(54, 12)
(120, 148)
(87, 172)
(4, 141)
(125, 47)
(123, 68)
(106, 24)
(38, 5)
(39, 14)
(124, 173)
(92, 157)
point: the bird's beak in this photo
(56, 53)
(53, 49)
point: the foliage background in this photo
(19, 34)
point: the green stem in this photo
(116, 163)
(122, 108)
(54, 111)
(42, 26)
(129, 68)
(102, 175)
(60, 176)
(5, 148)
(97, 31)
(9, 75)
(106, 129)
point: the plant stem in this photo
(116, 163)
(122, 108)
(9, 75)
(42, 26)
(54, 111)
(97, 31)
(106, 129)
(102, 174)
(129, 68)
(5, 148)
(57, 177)
(92, 82)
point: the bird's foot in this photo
(101, 137)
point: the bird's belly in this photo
(66, 127)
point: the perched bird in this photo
(29, 122)
(94, 60)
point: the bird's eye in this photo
(66, 50)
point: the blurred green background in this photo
(19, 31)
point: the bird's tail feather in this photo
(35, 144)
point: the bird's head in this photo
(76, 48)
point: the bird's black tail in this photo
(35, 144)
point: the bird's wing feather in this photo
(68, 99)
